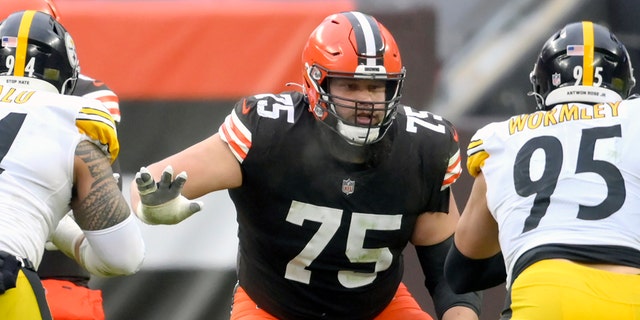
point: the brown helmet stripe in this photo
(370, 47)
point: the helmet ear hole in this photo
(312, 96)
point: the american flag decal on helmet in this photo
(9, 42)
(348, 186)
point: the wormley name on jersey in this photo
(562, 113)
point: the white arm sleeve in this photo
(115, 251)
(66, 236)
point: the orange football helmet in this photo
(351, 45)
(10, 6)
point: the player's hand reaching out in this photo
(162, 202)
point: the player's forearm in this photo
(101, 251)
(431, 260)
(464, 274)
(118, 250)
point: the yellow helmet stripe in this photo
(587, 62)
(23, 41)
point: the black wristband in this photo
(432, 260)
(465, 274)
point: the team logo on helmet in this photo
(71, 50)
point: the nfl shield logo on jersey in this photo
(348, 186)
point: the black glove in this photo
(9, 268)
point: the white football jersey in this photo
(570, 175)
(39, 132)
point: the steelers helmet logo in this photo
(71, 50)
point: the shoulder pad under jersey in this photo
(97, 124)
(87, 87)
(476, 153)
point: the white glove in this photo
(162, 202)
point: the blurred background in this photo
(180, 65)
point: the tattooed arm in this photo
(97, 202)
(108, 241)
